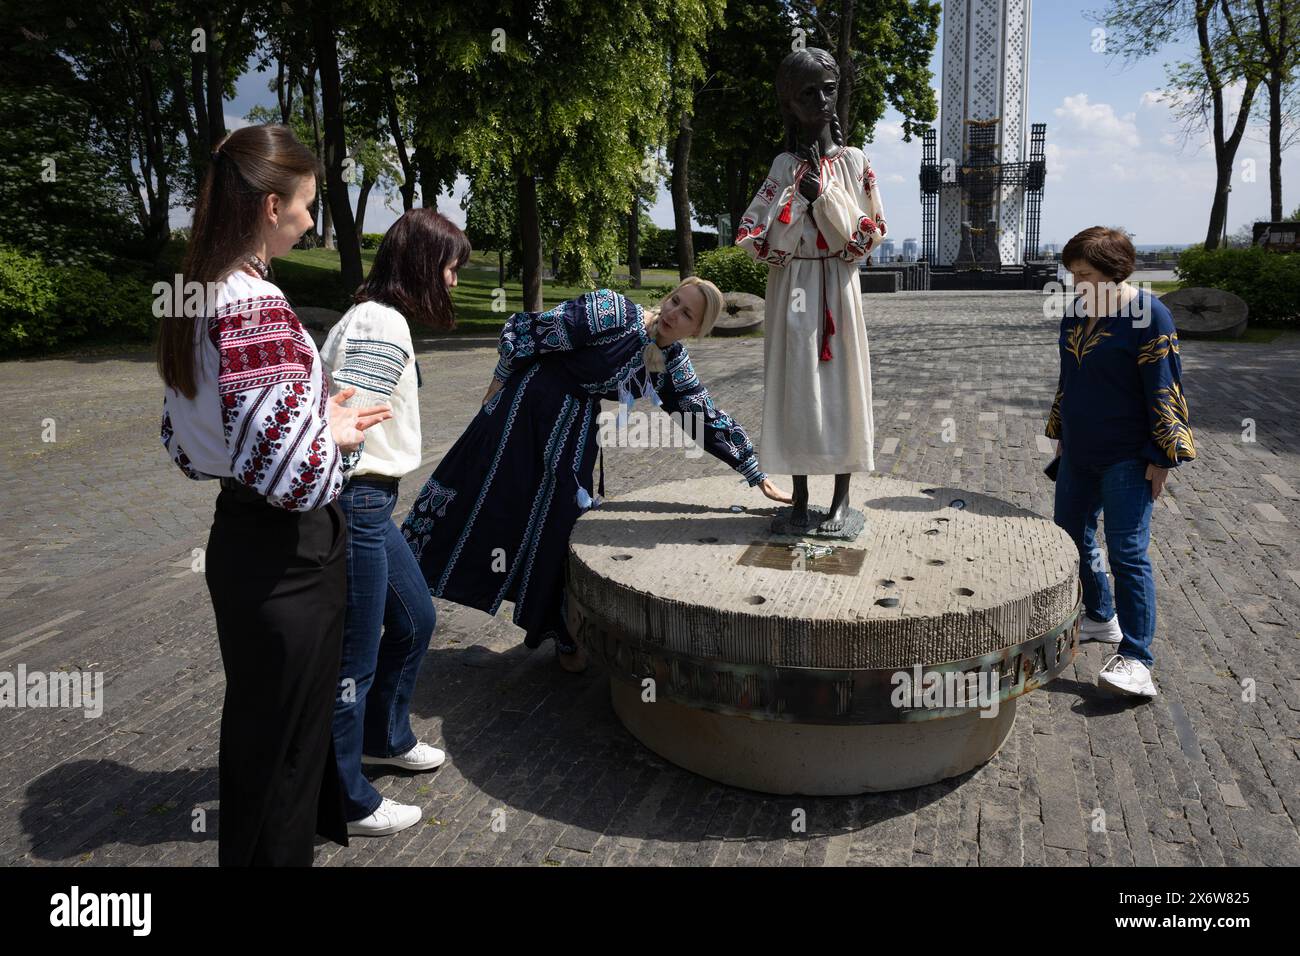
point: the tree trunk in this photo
(200, 100)
(1225, 148)
(367, 183)
(309, 103)
(1275, 86)
(530, 234)
(284, 83)
(1219, 208)
(844, 57)
(336, 190)
(681, 196)
(181, 104)
(395, 127)
(424, 171)
(153, 161)
(634, 243)
(216, 83)
(501, 269)
(326, 218)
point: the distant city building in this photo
(911, 249)
(888, 251)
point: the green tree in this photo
(130, 63)
(1225, 48)
(490, 219)
(566, 98)
(58, 194)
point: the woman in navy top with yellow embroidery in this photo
(1121, 422)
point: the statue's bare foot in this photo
(833, 523)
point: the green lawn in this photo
(311, 277)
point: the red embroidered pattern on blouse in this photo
(265, 370)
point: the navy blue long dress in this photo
(493, 521)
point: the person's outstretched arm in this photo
(682, 392)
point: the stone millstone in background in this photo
(778, 677)
(743, 313)
(1199, 311)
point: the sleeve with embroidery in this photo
(682, 392)
(1053, 429)
(596, 318)
(375, 355)
(273, 413)
(1171, 439)
(174, 449)
(772, 225)
(852, 212)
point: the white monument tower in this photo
(986, 170)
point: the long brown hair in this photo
(407, 273)
(246, 166)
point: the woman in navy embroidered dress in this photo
(493, 521)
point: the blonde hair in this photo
(714, 303)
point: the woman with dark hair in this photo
(1121, 424)
(247, 402)
(390, 615)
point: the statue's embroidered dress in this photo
(493, 521)
(817, 369)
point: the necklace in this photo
(260, 267)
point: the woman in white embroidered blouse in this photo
(247, 402)
(390, 614)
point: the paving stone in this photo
(98, 531)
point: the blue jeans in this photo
(390, 619)
(1123, 493)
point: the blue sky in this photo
(1115, 153)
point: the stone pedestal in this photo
(891, 662)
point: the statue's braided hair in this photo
(792, 68)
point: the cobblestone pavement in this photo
(98, 532)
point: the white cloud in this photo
(1097, 123)
(1054, 156)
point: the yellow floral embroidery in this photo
(1158, 348)
(1075, 345)
(1053, 429)
(1171, 432)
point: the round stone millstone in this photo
(743, 313)
(778, 671)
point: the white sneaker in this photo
(389, 818)
(1123, 675)
(419, 757)
(1106, 632)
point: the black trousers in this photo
(278, 581)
